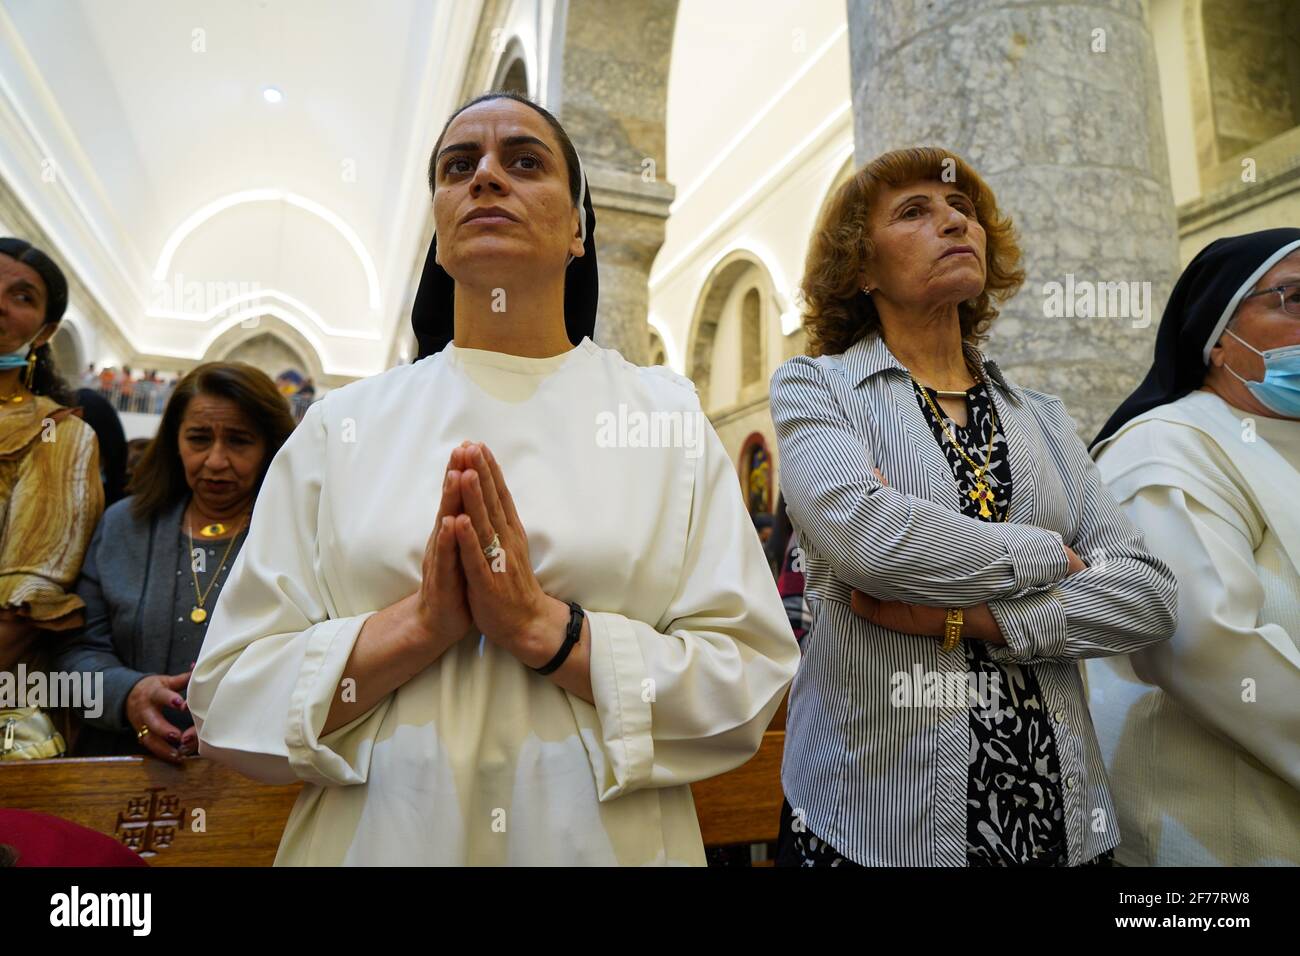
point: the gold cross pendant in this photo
(983, 496)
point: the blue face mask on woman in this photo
(17, 359)
(1280, 390)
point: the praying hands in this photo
(475, 577)
(502, 593)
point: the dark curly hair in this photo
(835, 312)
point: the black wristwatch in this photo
(571, 637)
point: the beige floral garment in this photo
(51, 498)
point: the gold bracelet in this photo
(952, 628)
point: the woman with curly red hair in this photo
(938, 716)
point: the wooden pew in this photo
(149, 805)
(743, 806)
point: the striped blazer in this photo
(882, 782)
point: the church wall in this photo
(752, 163)
(1231, 109)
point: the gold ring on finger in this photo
(493, 547)
(142, 731)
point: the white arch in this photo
(760, 255)
(515, 49)
(218, 206)
(293, 321)
(74, 320)
(87, 335)
(257, 296)
(675, 359)
(73, 335)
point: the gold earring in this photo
(866, 289)
(31, 369)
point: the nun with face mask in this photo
(483, 612)
(50, 495)
(1201, 734)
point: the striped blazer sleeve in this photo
(1124, 600)
(891, 545)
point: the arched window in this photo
(726, 351)
(751, 339)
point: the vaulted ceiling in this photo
(139, 135)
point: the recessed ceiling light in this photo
(272, 95)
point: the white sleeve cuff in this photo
(623, 755)
(342, 756)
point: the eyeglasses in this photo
(1288, 297)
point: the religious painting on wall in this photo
(756, 475)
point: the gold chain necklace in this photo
(981, 492)
(16, 397)
(197, 614)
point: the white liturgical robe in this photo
(632, 509)
(1201, 734)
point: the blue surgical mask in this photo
(1280, 389)
(17, 359)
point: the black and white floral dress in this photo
(1015, 813)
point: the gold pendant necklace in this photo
(981, 492)
(215, 530)
(198, 614)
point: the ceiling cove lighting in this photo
(218, 206)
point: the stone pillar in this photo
(1057, 106)
(613, 100)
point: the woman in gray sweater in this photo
(156, 564)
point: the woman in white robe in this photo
(1201, 734)
(417, 542)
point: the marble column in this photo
(613, 99)
(1057, 106)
